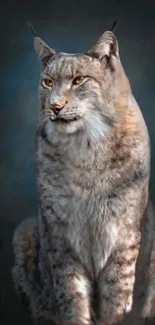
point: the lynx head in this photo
(78, 91)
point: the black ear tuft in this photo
(113, 25)
(32, 29)
(41, 48)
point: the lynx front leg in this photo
(71, 286)
(116, 283)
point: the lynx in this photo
(89, 257)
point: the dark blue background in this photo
(68, 26)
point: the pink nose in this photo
(56, 108)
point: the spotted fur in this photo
(91, 253)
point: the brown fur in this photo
(92, 249)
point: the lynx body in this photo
(95, 229)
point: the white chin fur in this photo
(92, 125)
(68, 128)
(52, 129)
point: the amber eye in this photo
(78, 80)
(47, 82)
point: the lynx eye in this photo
(47, 83)
(78, 80)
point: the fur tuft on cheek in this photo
(95, 125)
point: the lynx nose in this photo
(56, 108)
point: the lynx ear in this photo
(106, 46)
(41, 48)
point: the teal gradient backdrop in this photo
(71, 26)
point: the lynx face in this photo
(71, 89)
(77, 90)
